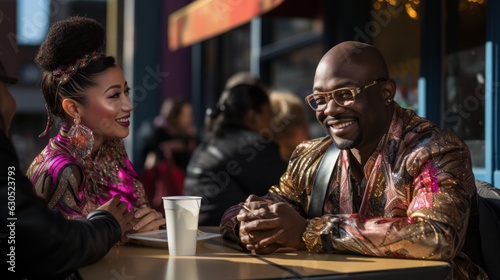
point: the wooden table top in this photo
(221, 259)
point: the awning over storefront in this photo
(203, 19)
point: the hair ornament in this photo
(63, 73)
(48, 126)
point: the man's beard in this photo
(348, 144)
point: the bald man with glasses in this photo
(383, 182)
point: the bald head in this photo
(359, 125)
(358, 60)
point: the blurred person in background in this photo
(289, 125)
(236, 158)
(86, 164)
(173, 136)
(36, 242)
(167, 146)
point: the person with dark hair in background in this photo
(383, 182)
(86, 164)
(167, 146)
(173, 136)
(237, 156)
(36, 242)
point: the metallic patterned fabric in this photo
(76, 186)
(418, 189)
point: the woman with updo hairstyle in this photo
(238, 156)
(86, 164)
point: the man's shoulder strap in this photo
(322, 181)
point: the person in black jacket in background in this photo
(238, 156)
(37, 243)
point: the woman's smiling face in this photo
(108, 106)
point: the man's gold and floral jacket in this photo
(416, 204)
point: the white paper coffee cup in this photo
(181, 213)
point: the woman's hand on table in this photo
(146, 219)
(119, 210)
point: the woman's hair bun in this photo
(69, 40)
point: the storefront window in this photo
(224, 56)
(285, 28)
(464, 67)
(395, 30)
(295, 72)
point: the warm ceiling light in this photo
(411, 12)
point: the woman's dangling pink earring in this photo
(81, 138)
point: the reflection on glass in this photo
(395, 31)
(464, 74)
(223, 56)
(295, 72)
(284, 28)
(410, 8)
